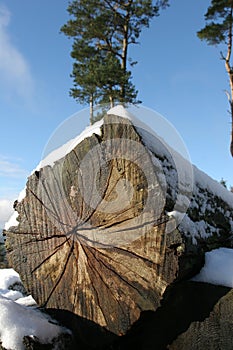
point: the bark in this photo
(111, 100)
(229, 70)
(94, 238)
(91, 109)
(125, 45)
(231, 146)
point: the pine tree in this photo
(102, 31)
(97, 77)
(218, 30)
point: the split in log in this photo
(94, 236)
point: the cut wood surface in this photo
(94, 237)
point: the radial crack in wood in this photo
(94, 237)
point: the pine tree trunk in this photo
(91, 110)
(125, 48)
(231, 146)
(111, 101)
(230, 74)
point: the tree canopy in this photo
(218, 30)
(102, 31)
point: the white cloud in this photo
(12, 178)
(11, 169)
(6, 210)
(14, 69)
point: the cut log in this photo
(97, 232)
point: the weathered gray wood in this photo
(105, 258)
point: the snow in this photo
(26, 301)
(218, 268)
(8, 277)
(176, 215)
(197, 229)
(17, 319)
(120, 111)
(184, 181)
(22, 194)
(54, 156)
(205, 182)
(62, 151)
(207, 205)
(12, 221)
(18, 316)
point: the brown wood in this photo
(104, 250)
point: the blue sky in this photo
(177, 75)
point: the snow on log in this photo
(104, 230)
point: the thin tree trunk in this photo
(230, 74)
(231, 146)
(91, 109)
(111, 101)
(124, 65)
(125, 48)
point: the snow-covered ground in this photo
(218, 268)
(20, 317)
